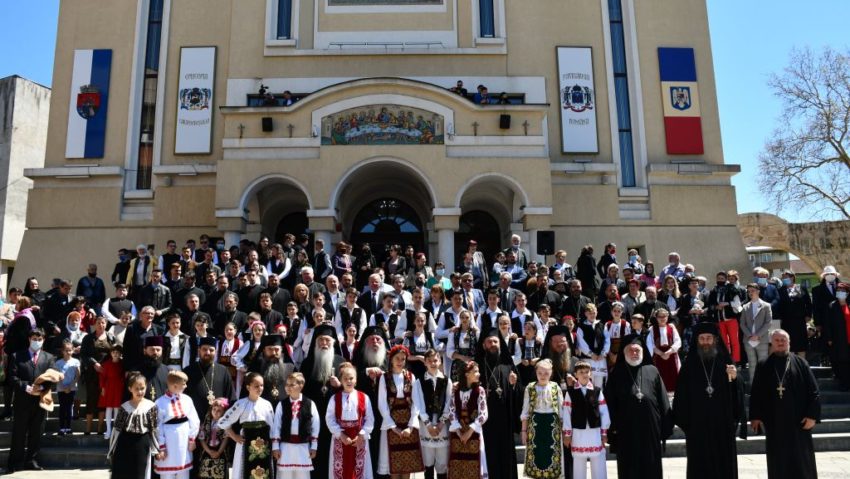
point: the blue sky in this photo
(750, 40)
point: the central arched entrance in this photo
(385, 222)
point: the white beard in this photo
(635, 362)
(323, 362)
(375, 359)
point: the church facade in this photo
(170, 119)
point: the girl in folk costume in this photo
(174, 356)
(665, 352)
(201, 323)
(213, 441)
(616, 329)
(178, 428)
(594, 345)
(295, 433)
(467, 458)
(388, 319)
(400, 454)
(350, 313)
(227, 348)
(434, 414)
(542, 425)
(462, 345)
(418, 342)
(252, 457)
(528, 348)
(246, 354)
(586, 423)
(135, 438)
(111, 386)
(349, 344)
(350, 419)
(544, 317)
(416, 308)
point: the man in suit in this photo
(156, 295)
(122, 267)
(824, 294)
(507, 294)
(322, 266)
(473, 299)
(520, 254)
(334, 297)
(370, 300)
(755, 323)
(138, 271)
(28, 418)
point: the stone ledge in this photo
(693, 169)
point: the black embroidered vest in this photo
(435, 397)
(305, 419)
(585, 408)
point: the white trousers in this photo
(436, 457)
(598, 469)
(293, 474)
(176, 475)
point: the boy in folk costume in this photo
(398, 392)
(295, 434)
(434, 413)
(542, 425)
(179, 425)
(467, 459)
(615, 330)
(594, 344)
(350, 420)
(586, 423)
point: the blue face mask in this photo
(440, 272)
(761, 281)
(122, 257)
(633, 259)
(787, 281)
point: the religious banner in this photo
(383, 125)
(680, 97)
(193, 134)
(89, 102)
(338, 3)
(577, 100)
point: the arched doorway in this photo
(484, 229)
(295, 223)
(385, 222)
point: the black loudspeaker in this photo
(505, 122)
(268, 125)
(545, 242)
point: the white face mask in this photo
(841, 295)
(36, 345)
(830, 278)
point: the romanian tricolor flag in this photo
(680, 96)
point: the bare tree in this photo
(805, 165)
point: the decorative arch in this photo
(274, 178)
(410, 167)
(509, 181)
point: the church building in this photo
(596, 120)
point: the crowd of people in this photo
(281, 360)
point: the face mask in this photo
(721, 284)
(36, 345)
(761, 281)
(419, 283)
(440, 272)
(830, 278)
(787, 281)
(122, 257)
(73, 328)
(841, 295)
(219, 246)
(92, 275)
(632, 259)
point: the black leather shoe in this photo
(33, 466)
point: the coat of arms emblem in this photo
(194, 99)
(577, 98)
(88, 101)
(680, 96)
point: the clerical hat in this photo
(374, 331)
(271, 340)
(207, 341)
(705, 328)
(153, 341)
(324, 330)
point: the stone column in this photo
(323, 226)
(532, 246)
(446, 222)
(232, 238)
(533, 220)
(232, 224)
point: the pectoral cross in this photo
(781, 390)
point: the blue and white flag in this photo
(88, 105)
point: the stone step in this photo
(754, 445)
(51, 440)
(828, 426)
(66, 457)
(822, 372)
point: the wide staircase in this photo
(78, 451)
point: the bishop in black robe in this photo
(785, 400)
(504, 399)
(371, 355)
(152, 369)
(207, 375)
(319, 389)
(709, 406)
(640, 414)
(275, 365)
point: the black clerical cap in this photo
(153, 341)
(491, 333)
(324, 330)
(207, 341)
(705, 328)
(633, 339)
(272, 340)
(374, 331)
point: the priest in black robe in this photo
(370, 359)
(152, 369)
(709, 406)
(504, 400)
(275, 365)
(321, 372)
(640, 412)
(786, 401)
(556, 349)
(207, 379)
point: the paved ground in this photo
(830, 465)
